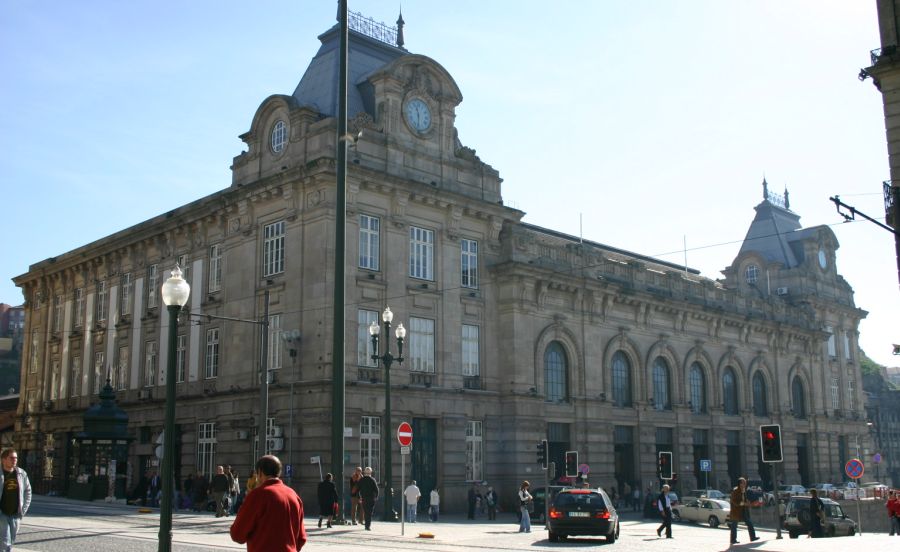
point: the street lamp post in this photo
(387, 358)
(175, 293)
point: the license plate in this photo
(579, 514)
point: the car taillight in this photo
(602, 515)
(555, 514)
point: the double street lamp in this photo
(387, 358)
(175, 293)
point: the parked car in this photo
(827, 490)
(797, 519)
(707, 493)
(673, 498)
(787, 491)
(702, 510)
(577, 512)
(849, 491)
(874, 490)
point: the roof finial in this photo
(400, 23)
(787, 199)
(765, 188)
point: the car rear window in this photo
(593, 500)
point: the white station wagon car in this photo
(702, 510)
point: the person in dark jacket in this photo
(328, 499)
(368, 492)
(816, 513)
(740, 511)
(664, 505)
(219, 488)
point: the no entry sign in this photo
(404, 434)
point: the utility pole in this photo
(264, 380)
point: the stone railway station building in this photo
(515, 332)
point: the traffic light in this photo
(665, 465)
(571, 463)
(770, 443)
(542, 453)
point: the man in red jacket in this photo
(271, 517)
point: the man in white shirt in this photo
(665, 510)
(412, 495)
(434, 504)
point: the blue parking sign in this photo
(706, 465)
(288, 470)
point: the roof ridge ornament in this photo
(380, 31)
(400, 24)
(778, 200)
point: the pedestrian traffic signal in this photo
(665, 465)
(571, 463)
(770, 443)
(542, 453)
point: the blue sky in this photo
(655, 121)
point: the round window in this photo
(279, 136)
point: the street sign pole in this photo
(777, 504)
(403, 492)
(854, 468)
(546, 495)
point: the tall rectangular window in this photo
(470, 364)
(421, 345)
(421, 253)
(99, 371)
(57, 313)
(152, 286)
(474, 451)
(180, 358)
(101, 300)
(215, 267)
(370, 444)
(847, 351)
(851, 394)
(150, 364)
(206, 448)
(75, 387)
(273, 248)
(274, 342)
(79, 307)
(835, 394)
(368, 242)
(364, 350)
(212, 353)
(469, 263)
(35, 353)
(54, 380)
(121, 375)
(125, 294)
(184, 263)
(831, 347)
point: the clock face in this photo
(418, 116)
(823, 260)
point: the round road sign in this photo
(404, 434)
(876, 458)
(854, 468)
(584, 469)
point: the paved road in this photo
(58, 524)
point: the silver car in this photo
(702, 510)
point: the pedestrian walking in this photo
(491, 498)
(740, 511)
(234, 488)
(636, 497)
(472, 500)
(525, 500)
(368, 492)
(154, 490)
(412, 494)
(356, 512)
(893, 510)
(664, 505)
(15, 499)
(816, 514)
(218, 488)
(328, 500)
(434, 504)
(272, 515)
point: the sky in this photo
(652, 122)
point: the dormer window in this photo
(279, 137)
(751, 274)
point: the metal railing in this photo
(371, 28)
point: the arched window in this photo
(798, 398)
(698, 389)
(729, 392)
(661, 396)
(555, 371)
(621, 379)
(760, 402)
